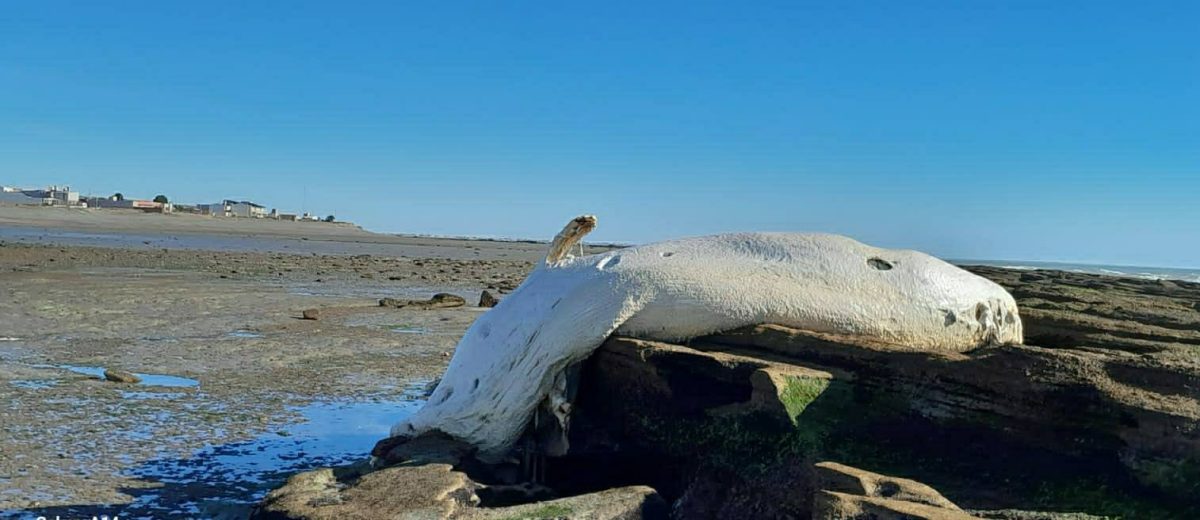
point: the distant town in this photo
(62, 196)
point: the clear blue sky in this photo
(1046, 130)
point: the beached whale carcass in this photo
(514, 356)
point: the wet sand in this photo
(252, 391)
(138, 230)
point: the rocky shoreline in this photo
(1096, 416)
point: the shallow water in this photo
(1147, 273)
(34, 384)
(147, 379)
(225, 480)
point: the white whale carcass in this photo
(514, 356)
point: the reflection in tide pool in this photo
(225, 480)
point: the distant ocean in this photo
(1150, 273)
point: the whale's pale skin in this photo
(513, 357)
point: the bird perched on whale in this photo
(513, 357)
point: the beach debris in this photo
(121, 376)
(311, 314)
(486, 299)
(434, 448)
(438, 301)
(686, 288)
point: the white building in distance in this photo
(51, 196)
(234, 208)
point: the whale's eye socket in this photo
(879, 263)
(665, 254)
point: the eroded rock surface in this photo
(426, 491)
(833, 505)
(436, 491)
(1106, 423)
(1101, 421)
(1076, 310)
(840, 478)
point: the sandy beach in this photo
(138, 230)
(208, 311)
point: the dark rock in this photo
(516, 493)
(623, 503)
(434, 447)
(429, 387)
(487, 300)
(120, 376)
(438, 301)
(764, 399)
(1137, 412)
(312, 314)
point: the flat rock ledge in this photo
(435, 491)
(1097, 417)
